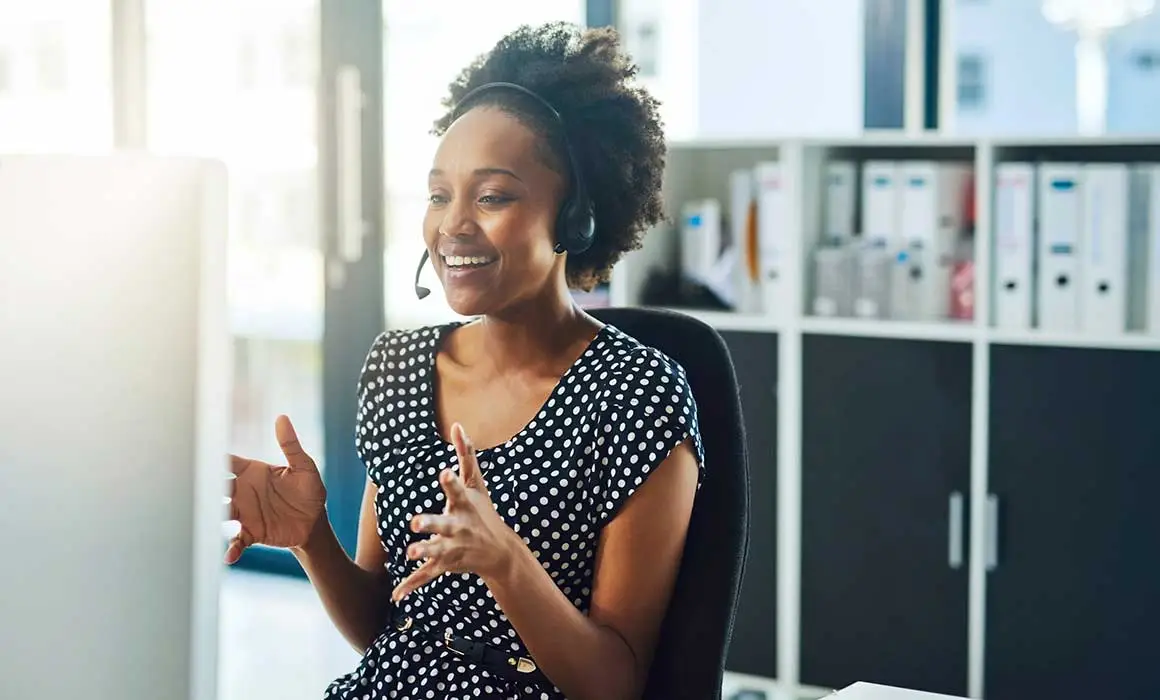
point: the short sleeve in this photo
(650, 411)
(367, 389)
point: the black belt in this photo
(517, 668)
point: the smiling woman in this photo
(441, 37)
(514, 570)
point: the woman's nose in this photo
(457, 218)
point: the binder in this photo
(907, 275)
(873, 265)
(880, 202)
(1014, 245)
(700, 237)
(931, 219)
(841, 198)
(1104, 249)
(772, 229)
(1059, 210)
(743, 227)
(833, 291)
(704, 257)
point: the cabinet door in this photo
(754, 647)
(885, 472)
(1073, 598)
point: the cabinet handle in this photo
(992, 548)
(955, 531)
(349, 100)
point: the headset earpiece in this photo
(575, 227)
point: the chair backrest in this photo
(690, 657)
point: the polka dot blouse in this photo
(611, 420)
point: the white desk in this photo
(872, 691)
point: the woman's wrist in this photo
(318, 534)
(509, 563)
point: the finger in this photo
(433, 524)
(420, 577)
(468, 463)
(454, 488)
(296, 457)
(238, 545)
(239, 464)
(427, 549)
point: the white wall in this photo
(1031, 71)
(755, 68)
(1030, 68)
(1133, 89)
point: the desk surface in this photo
(871, 691)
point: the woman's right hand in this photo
(277, 506)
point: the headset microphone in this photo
(420, 290)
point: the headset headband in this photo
(580, 192)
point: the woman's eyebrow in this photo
(436, 172)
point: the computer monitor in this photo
(114, 420)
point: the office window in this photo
(51, 54)
(972, 82)
(56, 87)
(216, 88)
(296, 62)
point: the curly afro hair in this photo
(611, 123)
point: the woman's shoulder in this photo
(643, 369)
(404, 351)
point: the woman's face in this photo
(492, 203)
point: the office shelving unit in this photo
(946, 506)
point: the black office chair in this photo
(695, 636)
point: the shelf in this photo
(946, 331)
(1127, 341)
(730, 320)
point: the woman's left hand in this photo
(469, 536)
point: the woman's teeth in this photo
(466, 260)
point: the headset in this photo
(576, 222)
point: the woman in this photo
(531, 472)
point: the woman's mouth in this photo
(467, 262)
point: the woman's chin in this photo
(468, 304)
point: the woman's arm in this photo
(356, 594)
(606, 655)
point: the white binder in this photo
(1060, 214)
(833, 280)
(1014, 245)
(1104, 249)
(931, 220)
(873, 266)
(881, 199)
(772, 229)
(741, 207)
(841, 197)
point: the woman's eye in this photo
(435, 198)
(493, 199)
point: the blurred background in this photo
(266, 86)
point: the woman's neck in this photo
(534, 334)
